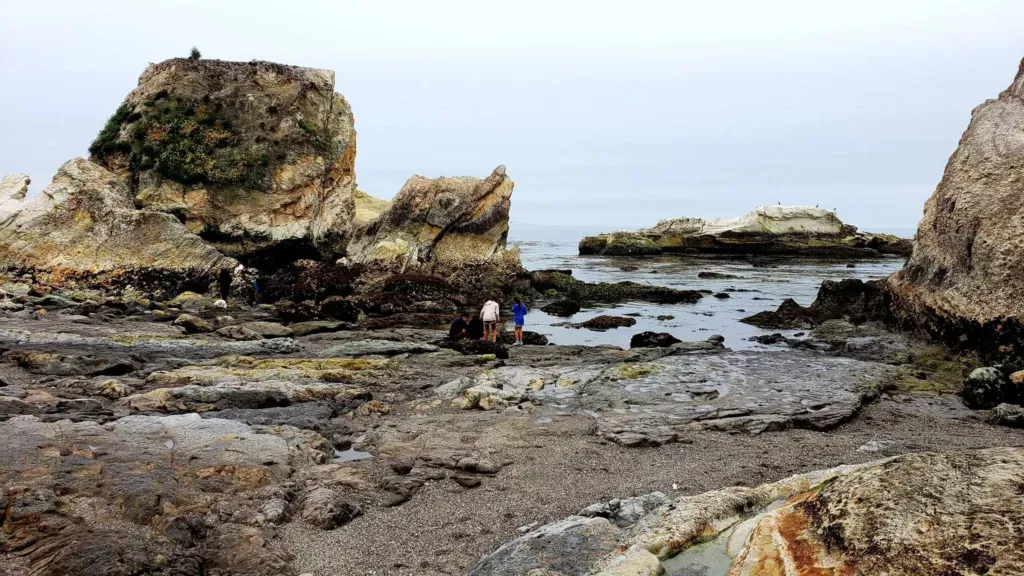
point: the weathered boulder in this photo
(1007, 415)
(327, 509)
(985, 388)
(444, 221)
(963, 282)
(901, 516)
(798, 230)
(193, 324)
(252, 156)
(84, 229)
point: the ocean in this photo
(751, 289)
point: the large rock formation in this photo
(84, 229)
(447, 222)
(964, 282)
(915, 514)
(255, 157)
(797, 230)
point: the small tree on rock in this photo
(196, 54)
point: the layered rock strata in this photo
(443, 221)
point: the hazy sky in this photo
(605, 113)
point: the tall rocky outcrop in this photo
(443, 222)
(964, 282)
(84, 229)
(255, 157)
(781, 230)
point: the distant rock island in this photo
(775, 230)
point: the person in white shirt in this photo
(491, 315)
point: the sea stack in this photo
(257, 158)
(772, 230)
(964, 282)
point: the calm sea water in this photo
(752, 290)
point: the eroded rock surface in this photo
(84, 229)
(903, 516)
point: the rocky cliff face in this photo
(965, 279)
(252, 156)
(442, 221)
(84, 229)
(795, 230)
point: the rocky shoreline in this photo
(317, 421)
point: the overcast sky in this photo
(605, 113)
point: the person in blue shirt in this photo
(519, 317)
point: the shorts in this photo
(520, 323)
(490, 325)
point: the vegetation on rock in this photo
(188, 141)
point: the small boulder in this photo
(269, 329)
(653, 340)
(984, 388)
(193, 324)
(238, 333)
(563, 308)
(606, 322)
(326, 509)
(1007, 415)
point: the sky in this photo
(609, 114)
